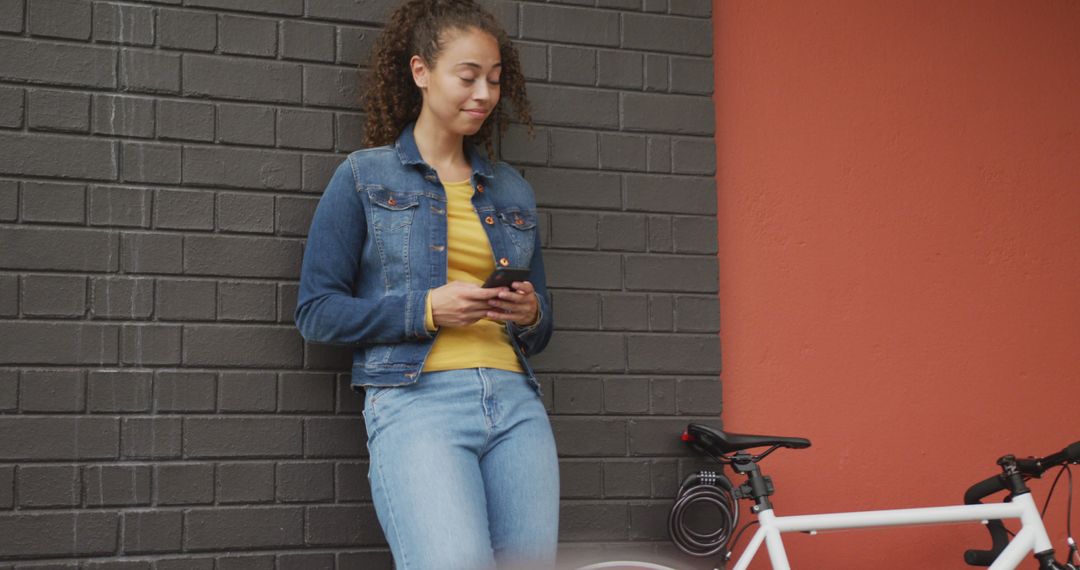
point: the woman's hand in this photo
(460, 304)
(518, 306)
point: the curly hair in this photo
(417, 27)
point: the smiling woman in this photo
(463, 467)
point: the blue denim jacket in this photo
(377, 245)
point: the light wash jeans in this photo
(464, 472)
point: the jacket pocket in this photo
(392, 215)
(520, 225)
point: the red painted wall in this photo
(899, 228)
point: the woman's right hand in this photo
(460, 304)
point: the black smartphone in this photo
(504, 276)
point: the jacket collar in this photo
(410, 155)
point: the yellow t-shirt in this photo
(485, 343)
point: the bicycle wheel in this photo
(625, 565)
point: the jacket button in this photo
(489, 220)
(504, 262)
(479, 187)
(518, 221)
(391, 201)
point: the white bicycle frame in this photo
(1031, 538)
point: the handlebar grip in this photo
(1070, 454)
(998, 534)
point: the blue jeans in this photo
(464, 472)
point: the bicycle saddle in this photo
(719, 442)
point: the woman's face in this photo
(463, 87)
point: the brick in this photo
(574, 107)
(579, 479)
(58, 438)
(250, 213)
(263, 347)
(247, 36)
(593, 521)
(118, 206)
(185, 300)
(49, 486)
(533, 58)
(355, 45)
(242, 168)
(306, 392)
(59, 534)
(695, 234)
(622, 232)
(245, 482)
(582, 352)
(348, 400)
(225, 528)
(122, 298)
(579, 395)
(305, 129)
(583, 270)
(187, 29)
(661, 312)
(317, 171)
(576, 309)
(123, 24)
(246, 124)
(620, 69)
(678, 114)
(11, 16)
(574, 148)
(58, 343)
(185, 563)
(45, 391)
(68, 19)
(305, 482)
(653, 436)
(150, 345)
(54, 203)
(9, 394)
(623, 152)
(671, 354)
(351, 481)
(308, 41)
(349, 132)
(228, 78)
(516, 145)
(294, 215)
(319, 356)
(54, 295)
(287, 293)
(569, 25)
(662, 396)
(562, 188)
(671, 273)
(249, 562)
(334, 437)
(625, 312)
(7, 487)
(184, 484)
(242, 256)
(116, 485)
(118, 391)
(692, 75)
(117, 565)
(153, 163)
(247, 392)
(58, 64)
(343, 526)
(694, 156)
(698, 396)
(572, 65)
(124, 116)
(49, 110)
(375, 12)
(152, 531)
(690, 36)
(151, 253)
(9, 200)
(150, 438)
(242, 437)
(657, 74)
(649, 522)
(185, 120)
(660, 236)
(659, 154)
(305, 561)
(149, 71)
(180, 210)
(57, 156)
(369, 559)
(284, 7)
(185, 392)
(680, 195)
(332, 86)
(627, 479)
(573, 230)
(623, 395)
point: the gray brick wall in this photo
(159, 165)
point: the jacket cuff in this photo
(416, 315)
(429, 317)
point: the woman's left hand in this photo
(517, 305)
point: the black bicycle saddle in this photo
(719, 442)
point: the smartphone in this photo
(504, 276)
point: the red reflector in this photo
(687, 437)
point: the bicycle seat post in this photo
(757, 487)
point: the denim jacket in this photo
(377, 245)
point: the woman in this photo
(463, 467)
